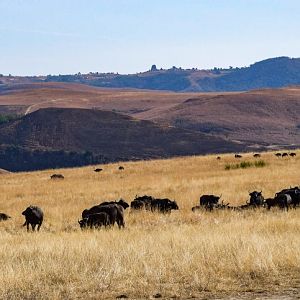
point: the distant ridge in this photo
(58, 137)
(270, 73)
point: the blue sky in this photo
(128, 36)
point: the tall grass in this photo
(183, 254)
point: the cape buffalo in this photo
(293, 154)
(280, 200)
(4, 217)
(33, 216)
(121, 168)
(278, 154)
(238, 156)
(256, 198)
(115, 212)
(256, 155)
(95, 220)
(284, 155)
(143, 202)
(57, 176)
(294, 193)
(208, 201)
(163, 205)
(98, 170)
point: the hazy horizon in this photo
(128, 36)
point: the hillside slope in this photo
(264, 117)
(103, 136)
(268, 117)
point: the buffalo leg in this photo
(33, 226)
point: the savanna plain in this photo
(219, 254)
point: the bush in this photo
(245, 165)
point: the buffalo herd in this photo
(284, 199)
(108, 213)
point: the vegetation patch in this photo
(246, 164)
(7, 118)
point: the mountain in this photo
(57, 137)
(270, 73)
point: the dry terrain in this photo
(267, 117)
(223, 254)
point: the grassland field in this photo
(219, 254)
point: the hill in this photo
(263, 117)
(268, 117)
(250, 254)
(270, 73)
(56, 137)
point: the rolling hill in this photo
(268, 117)
(59, 137)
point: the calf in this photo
(281, 200)
(95, 220)
(4, 217)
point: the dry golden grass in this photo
(183, 254)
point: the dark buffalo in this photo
(163, 205)
(57, 176)
(293, 154)
(4, 217)
(278, 154)
(143, 202)
(121, 168)
(256, 155)
(238, 156)
(115, 212)
(284, 154)
(33, 216)
(95, 220)
(218, 158)
(209, 201)
(98, 170)
(294, 193)
(281, 200)
(256, 199)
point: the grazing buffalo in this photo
(256, 155)
(293, 154)
(218, 158)
(209, 201)
(33, 216)
(284, 154)
(95, 220)
(238, 156)
(98, 170)
(256, 199)
(4, 217)
(163, 205)
(294, 193)
(143, 202)
(115, 212)
(278, 154)
(281, 200)
(121, 168)
(57, 176)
